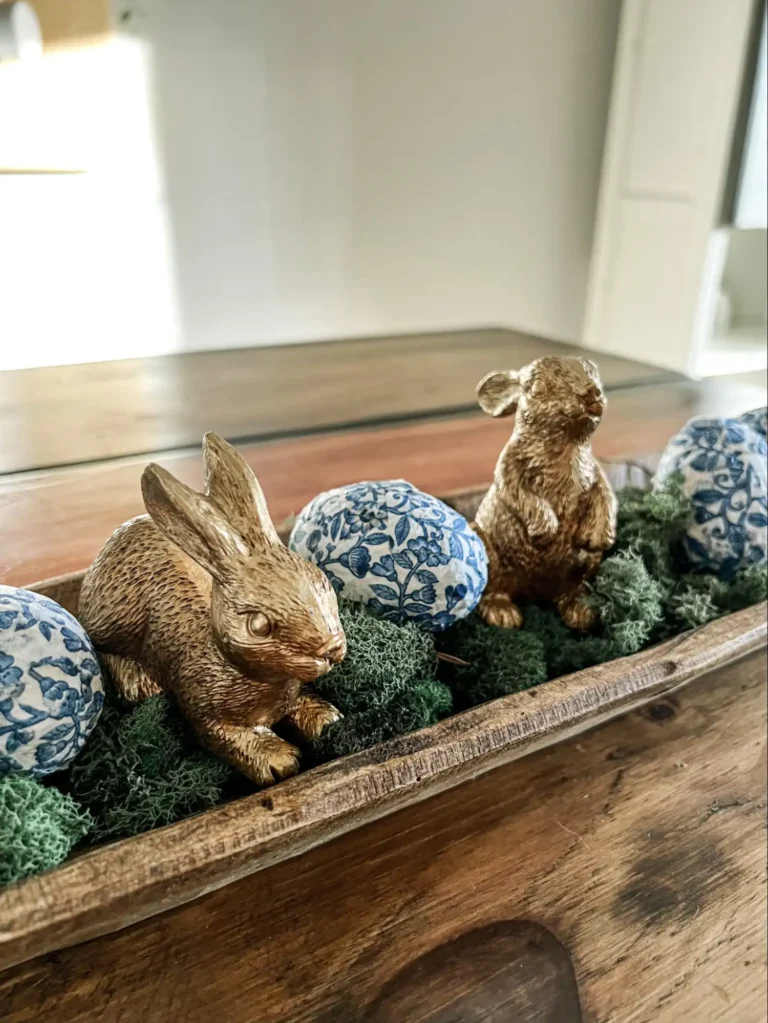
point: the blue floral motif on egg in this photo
(757, 419)
(51, 690)
(725, 473)
(404, 553)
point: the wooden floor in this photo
(67, 415)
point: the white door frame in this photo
(657, 256)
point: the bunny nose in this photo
(595, 402)
(334, 649)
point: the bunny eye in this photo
(259, 624)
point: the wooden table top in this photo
(617, 878)
(55, 522)
(66, 415)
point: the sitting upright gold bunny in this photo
(550, 513)
(201, 599)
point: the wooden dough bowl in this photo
(118, 884)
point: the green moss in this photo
(652, 524)
(141, 769)
(499, 661)
(385, 686)
(382, 661)
(748, 588)
(565, 651)
(423, 703)
(38, 827)
(698, 599)
(628, 601)
(642, 594)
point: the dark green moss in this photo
(651, 526)
(697, 599)
(423, 703)
(641, 593)
(565, 651)
(142, 769)
(38, 827)
(499, 661)
(385, 686)
(382, 661)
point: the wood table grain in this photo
(617, 878)
(63, 415)
(56, 522)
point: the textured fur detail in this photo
(550, 513)
(169, 598)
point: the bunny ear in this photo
(499, 393)
(232, 486)
(190, 521)
(590, 367)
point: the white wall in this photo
(86, 266)
(350, 167)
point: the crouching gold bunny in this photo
(200, 599)
(550, 513)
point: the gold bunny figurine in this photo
(201, 599)
(550, 513)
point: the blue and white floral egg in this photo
(50, 684)
(404, 553)
(725, 474)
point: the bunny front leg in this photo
(536, 515)
(597, 530)
(312, 715)
(499, 609)
(496, 606)
(572, 600)
(256, 752)
(575, 611)
(130, 680)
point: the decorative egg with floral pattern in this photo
(405, 554)
(51, 692)
(724, 468)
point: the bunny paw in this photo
(312, 715)
(498, 609)
(268, 758)
(576, 614)
(597, 544)
(544, 525)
